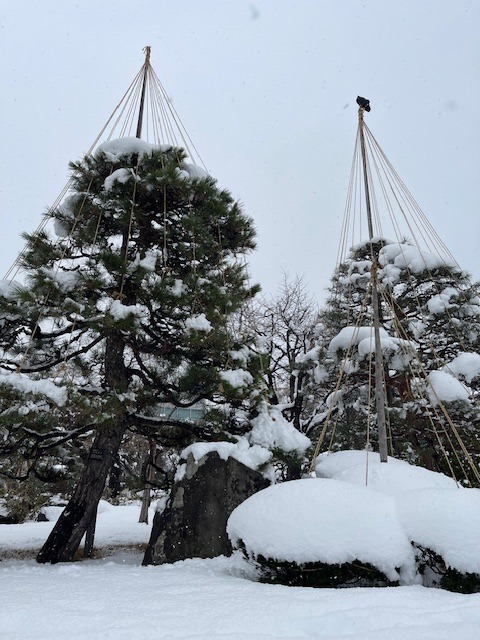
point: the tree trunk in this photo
(68, 532)
(149, 475)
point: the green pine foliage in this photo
(434, 309)
(128, 302)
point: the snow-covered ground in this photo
(114, 597)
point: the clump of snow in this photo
(121, 147)
(446, 521)
(149, 262)
(406, 256)
(194, 171)
(393, 478)
(363, 338)
(64, 280)
(61, 227)
(466, 366)
(352, 336)
(236, 378)
(198, 323)
(271, 430)
(177, 288)
(121, 175)
(328, 521)
(8, 289)
(121, 311)
(442, 301)
(446, 388)
(252, 456)
(43, 387)
(241, 355)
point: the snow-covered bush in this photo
(363, 524)
(323, 533)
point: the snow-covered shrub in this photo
(323, 533)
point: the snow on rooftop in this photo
(318, 520)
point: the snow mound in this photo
(446, 521)
(318, 520)
(393, 479)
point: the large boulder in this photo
(193, 524)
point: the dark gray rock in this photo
(193, 523)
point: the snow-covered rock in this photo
(252, 456)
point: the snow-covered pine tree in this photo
(127, 308)
(430, 316)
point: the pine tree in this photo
(430, 315)
(128, 307)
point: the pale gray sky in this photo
(266, 89)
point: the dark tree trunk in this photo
(80, 511)
(68, 532)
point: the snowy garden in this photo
(182, 458)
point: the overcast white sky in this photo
(266, 90)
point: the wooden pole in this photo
(146, 67)
(379, 377)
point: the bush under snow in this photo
(364, 510)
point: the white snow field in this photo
(114, 597)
